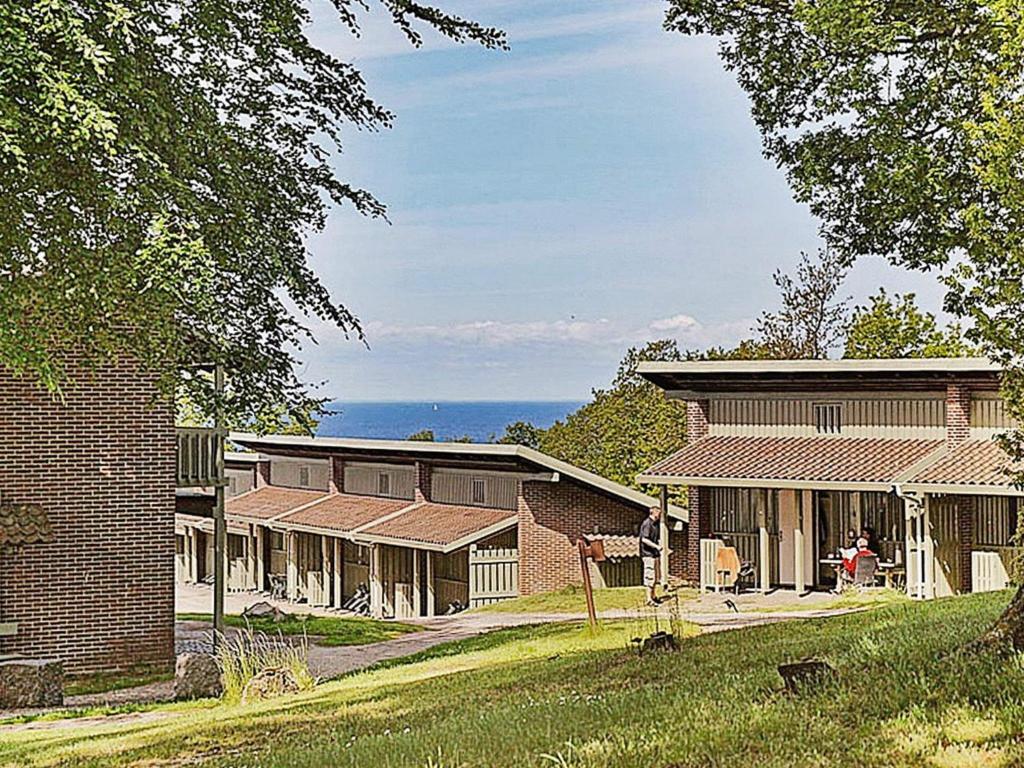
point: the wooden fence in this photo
(493, 575)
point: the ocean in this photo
(481, 421)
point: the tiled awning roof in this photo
(24, 524)
(205, 524)
(440, 526)
(781, 461)
(343, 512)
(618, 547)
(270, 501)
(973, 463)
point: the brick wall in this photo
(100, 596)
(958, 413)
(965, 514)
(700, 524)
(421, 476)
(552, 517)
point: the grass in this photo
(559, 696)
(325, 630)
(103, 682)
(572, 599)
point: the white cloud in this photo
(600, 332)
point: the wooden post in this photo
(431, 601)
(261, 571)
(325, 571)
(587, 586)
(472, 574)
(764, 569)
(376, 589)
(798, 544)
(291, 569)
(663, 555)
(929, 550)
(219, 529)
(417, 585)
(339, 569)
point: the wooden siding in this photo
(291, 474)
(451, 579)
(457, 488)
(923, 418)
(364, 479)
(239, 481)
(989, 418)
(995, 522)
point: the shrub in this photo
(244, 654)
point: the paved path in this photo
(711, 612)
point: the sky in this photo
(599, 185)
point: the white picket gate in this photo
(493, 575)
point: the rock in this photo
(197, 676)
(31, 683)
(263, 610)
(805, 674)
(272, 682)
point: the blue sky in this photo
(598, 185)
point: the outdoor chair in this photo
(278, 586)
(866, 571)
(730, 571)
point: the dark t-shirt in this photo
(649, 529)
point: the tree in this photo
(901, 125)
(522, 433)
(423, 436)
(161, 166)
(811, 321)
(625, 428)
(895, 327)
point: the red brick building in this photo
(423, 526)
(786, 457)
(86, 521)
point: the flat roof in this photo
(479, 452)
(719, 376)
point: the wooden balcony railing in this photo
(197, 458)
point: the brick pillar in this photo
(679, 556)
(700, 521)
(965, 513)
(422, 475)
(336, 480)
(262, 473)
(958, 413)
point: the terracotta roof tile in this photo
(821, 459)
(439, 524)
(973, 462)
(269, 501)
(345, 511)
(24, 524)
(618, 547)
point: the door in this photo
(836, 524)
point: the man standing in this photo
(650, 552)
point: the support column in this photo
(431, 602)
(417, 585)
(325, 571)
(376, 589)
(663, 558)
(799, 579)
(193, 555)
(292, 569)
(339, 570)
(763, 555)
(910, 555)
(929, 551)
(261, 570)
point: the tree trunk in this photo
(1008, 631)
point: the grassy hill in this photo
(556, 696)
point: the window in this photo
(828, 418)
(383, 484)
(479, 490)
(276, 540)
(304, 476)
